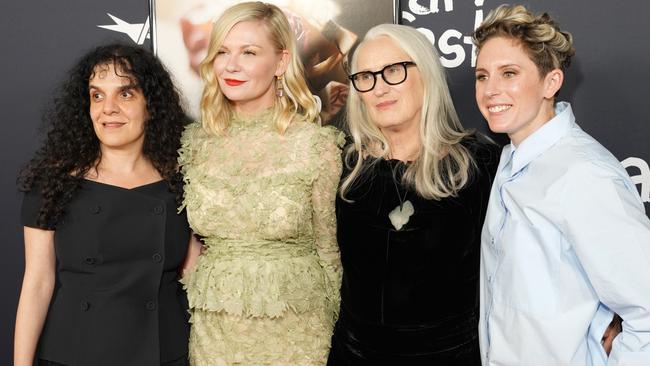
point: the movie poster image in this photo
(326, 31)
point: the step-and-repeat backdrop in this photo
(607, 82)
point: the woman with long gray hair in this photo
(410, 210)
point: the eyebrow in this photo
(499, 67)
(122, 88)
(509, 65)
(243, 46)
(381, 68)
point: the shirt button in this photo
(95, 209)
(157, 257)
(150, 305)
(90, 261)
(158, 210)
(85, 305)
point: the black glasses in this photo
(392, 74)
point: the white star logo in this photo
(138, 32)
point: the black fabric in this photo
(117, 300)
(183, 361)
(49, 363)
(410, 297)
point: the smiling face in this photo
(391, 107)
(510, 92)
(117, 108)
(246, 66)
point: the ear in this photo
(553, 82)
(285, 56)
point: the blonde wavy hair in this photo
(443, 164)
(297, 104)
(546, 45)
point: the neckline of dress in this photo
(261, 118)
(395, 162)
(108, 185)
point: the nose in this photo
(381, 87)
(232, 64)
(491, 87)
(110, 105)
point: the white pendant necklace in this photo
(401, 214)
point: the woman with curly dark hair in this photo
(103, 239)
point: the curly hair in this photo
(547, 46)
(71, 147)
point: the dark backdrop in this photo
(607, 83)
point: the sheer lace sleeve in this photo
(324, 218)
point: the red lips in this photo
(234, 82)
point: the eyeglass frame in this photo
(374, 74)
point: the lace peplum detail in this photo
(247, 281)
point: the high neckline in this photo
(262, 118)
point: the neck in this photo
(545, 114)
(124, 168)
(257, 106)
(122, 161)
(404, 143)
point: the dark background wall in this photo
(607, 84)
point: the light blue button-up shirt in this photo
(565, 240)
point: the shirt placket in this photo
(505, 177)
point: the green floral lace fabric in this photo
(266, 289)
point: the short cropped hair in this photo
(546, 44)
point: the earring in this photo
(279, 86)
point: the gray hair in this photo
(442, 166)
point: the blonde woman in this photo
(409, 213)
(566, 242)
(261, 178)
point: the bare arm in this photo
(36, 293)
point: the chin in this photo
(386, 125)
(386, 121)
(233, 97)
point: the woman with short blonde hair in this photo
(563, 214)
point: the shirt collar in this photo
(542, 139)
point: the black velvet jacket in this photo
(411, 294)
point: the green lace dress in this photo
(266, 289)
